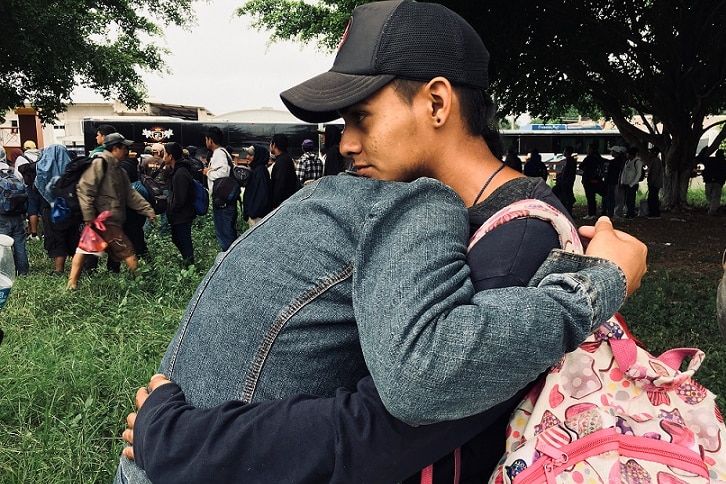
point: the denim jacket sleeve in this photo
(438, 352)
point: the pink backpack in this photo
(610, 412)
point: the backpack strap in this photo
(533, 208)
(569, 241)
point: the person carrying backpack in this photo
(180, 208)
(105, 186)
(12, 220)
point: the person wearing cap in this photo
(283, 178)
(613, 198)
(393, 294)
(309, 167)
(25, 170)
(106, 186)
(220, 164)
(256, 200)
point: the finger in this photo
(131, 419)
(158, 380)
(128, 452)
(141, 395)
(128, 436)
(603, 223)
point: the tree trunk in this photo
(678, 164)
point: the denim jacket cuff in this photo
(602, 281)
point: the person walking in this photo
(714, 177)
(106, 186)
(655, 182)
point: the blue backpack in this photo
(201, 198)
(13, 194)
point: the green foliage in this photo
(48, 48)
(72, 360)
(678, 309)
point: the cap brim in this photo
(319, 99)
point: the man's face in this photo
(99, 138)
(208, 143)
(382, 136)
(120, 152)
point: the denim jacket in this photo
(348, 250)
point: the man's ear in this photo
(440, 96)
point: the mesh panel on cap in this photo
(428, 40)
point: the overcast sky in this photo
(225, 65)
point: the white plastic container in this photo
(7, 267)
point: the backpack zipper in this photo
(554, 460)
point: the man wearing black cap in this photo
(410, 81)
(220, 164)
(106, 186)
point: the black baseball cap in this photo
(387, 40)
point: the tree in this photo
(661, 62)
(50, 47)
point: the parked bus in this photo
(146, 130)
(551, 140)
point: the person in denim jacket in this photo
(383, 263)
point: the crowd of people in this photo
(117, 180)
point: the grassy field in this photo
(72, 361)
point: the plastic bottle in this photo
(7, 268)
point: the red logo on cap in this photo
(345, 34)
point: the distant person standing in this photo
(284, 181)
(593, 171)
(714, 177)
(512, 160)
(566, 180)
(655, 182)
(13, 225)
(334, 162)
(535, 166)
(102, 131)
(25, 170)
(612, 181)
(224, 214)
(629, 180)
(180, 210)
(309, 166)
(256, 199)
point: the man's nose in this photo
(349, 144)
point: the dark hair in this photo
(280, 140)
(174, 149)
(215, 134)
(332, 135)
(477, 110)
(105, 129)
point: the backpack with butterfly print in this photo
(610, 412)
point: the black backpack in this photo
(157, 194)
(65, 186)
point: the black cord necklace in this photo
(486, 183)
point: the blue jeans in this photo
(225, 225)
(14, 226)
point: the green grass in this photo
(72, 361)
